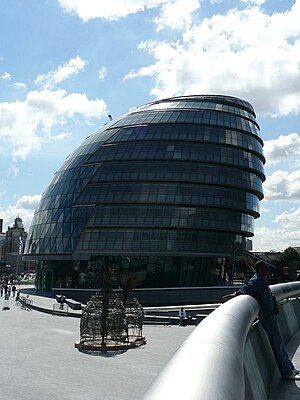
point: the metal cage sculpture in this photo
(117, 328)
(134, 317)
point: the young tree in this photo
(290, 254)
(290, 258)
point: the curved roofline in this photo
(223, 98)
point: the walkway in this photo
(37, 352)
(39, 361)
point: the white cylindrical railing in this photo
(286, 290)
(210, 362)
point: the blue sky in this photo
(66, 64)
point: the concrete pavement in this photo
(39, 361)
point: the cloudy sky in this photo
(66, 64)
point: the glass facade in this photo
(169, 187)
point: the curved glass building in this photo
(165, 190)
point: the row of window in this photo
(192, 117)
(182, 151)
(68, 223)
(219, 99)
(199, 105)
(145, 235)
(62, 201)
(136, 240)
(65, 230)
(181, 132)
(60, 223)
(88, 147)
(52, 245)
(152, 271)
(76, 173)
(74, 179)
(163, 193)
(185, 172)
(171, 217)
(208, 220)
(100, 136)
(153, 241)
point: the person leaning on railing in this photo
(258, 288)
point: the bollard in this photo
(6, 302)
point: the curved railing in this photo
(286, 290)
(210, 363)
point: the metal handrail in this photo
(286, 290)
(209, 364)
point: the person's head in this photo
(262, 268)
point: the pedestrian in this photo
(1, 290)
(8, 289)
(61, 300)
(258, 288)
(13, 289)
(182, 317)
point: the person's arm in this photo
(229, 296)
(248, 288)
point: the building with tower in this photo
(13, 243)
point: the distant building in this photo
(297, 249)
(13, 248)
(249, 245)
(165, 191)
(2, 246)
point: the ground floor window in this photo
(145, 271)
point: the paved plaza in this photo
(39, 361)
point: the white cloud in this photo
(177, 14)
(21, 86)
(264, 210)
(247, 53)
(282, 185)
(65, 71)
(28, 202)
(289, 219)
(277, 239)
(283, 148)
(24, 208)
(13, 170)
(257, 2)
(26, 125)
(108, 10)
(102, 73)
(6, 76)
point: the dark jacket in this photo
(258, 288)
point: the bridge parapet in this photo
(228, 357)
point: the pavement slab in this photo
(39, 360)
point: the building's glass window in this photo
(195, 117)
(199, 105)
(177, 172)
(120, 239)
(182, 151)
(187, 132)
(170, 216)
(169, 193)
